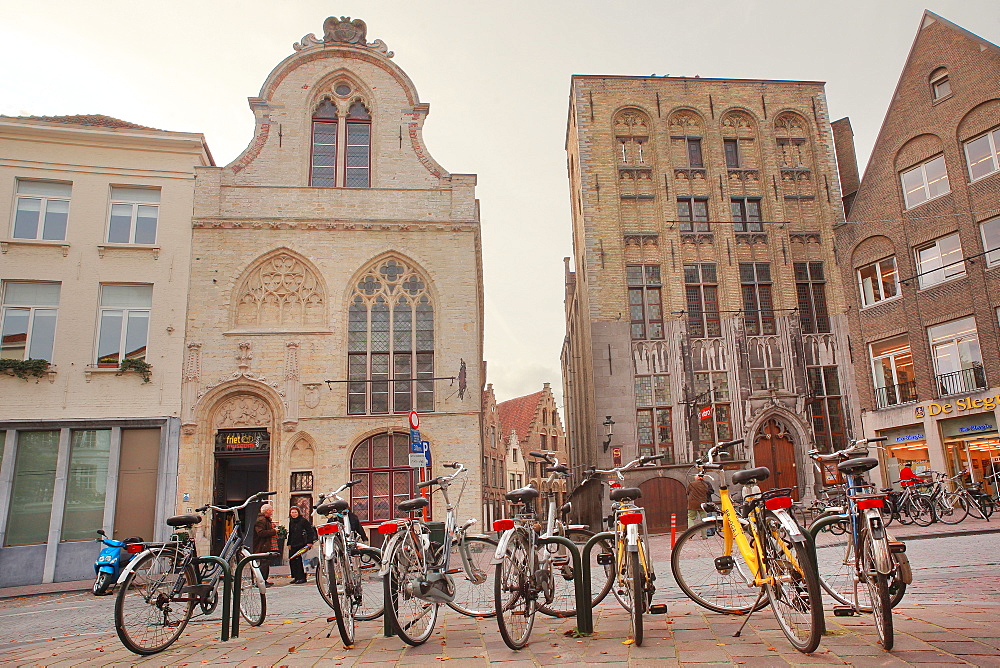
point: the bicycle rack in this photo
(584, 613)
(582, 601)
(237, 592)
(227, 589)
(810, 534)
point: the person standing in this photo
(265, 538)
(698, 492)
(301, 534)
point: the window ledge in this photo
(5, 244)
(941, 99)
(950, 279)
(90, 370)
(865, 307)
(919, 204)
(50, 374)
(103, 248)
(901, 403)
(276, 330)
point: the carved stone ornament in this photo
(342, 31)
(311, 396)
(243, 411)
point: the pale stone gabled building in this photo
(94, 258)
(703, 300)
(336, 285)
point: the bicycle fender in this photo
(632, 538)
(883, 558)
(789, 525)
(387, 552)
(501, 550)
(131, 566)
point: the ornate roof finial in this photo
(342, 31)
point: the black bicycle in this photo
(163, 584)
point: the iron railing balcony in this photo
(893, 395)
(958, 382)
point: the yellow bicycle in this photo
(772, 556)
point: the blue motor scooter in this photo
(112, 559)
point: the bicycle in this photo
(772, 553)
(416, 566)
(866, 557)
(563, 602)
(346, 567)
(953, 507)
(633, 564)
(162, 584)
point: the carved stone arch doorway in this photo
(774, 447)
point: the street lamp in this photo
(608, 432)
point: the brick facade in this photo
(928, 120)
(639, 150)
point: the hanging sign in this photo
(705, 413)
(242, 440)
(616, 456)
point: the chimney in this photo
(847, 161)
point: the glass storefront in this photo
(905, 446)
(972, 444)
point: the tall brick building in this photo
(336, 285)
(703, 302)
(94, 262)
(920, 256)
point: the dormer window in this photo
(341, 146)
(940, 86)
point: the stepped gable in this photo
(519, 414)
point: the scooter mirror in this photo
(101, 532)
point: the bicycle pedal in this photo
(897, 546)
(724, 564)
(658, 609)
(605, 558)
(330, 620)
(844, 611)
(560, 561)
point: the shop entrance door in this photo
(236, 478)
(775, 450)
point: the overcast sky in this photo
(496, 75)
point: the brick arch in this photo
(871, 249)
(984, 116)
(917, 150)
(686, 121)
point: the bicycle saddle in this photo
(631, 493)
(858, 465)
(413, 504)
(523, 495)
(332, 507)
(751, 475)
(183, 520)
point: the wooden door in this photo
(775, 450)
(662, 497)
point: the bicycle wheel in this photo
(472, 574)
(951, 508)
(877, 586)
(412, 618)
(921, 510)
(630, 581)
(563, 602)
(367, 566)
(339, 578)
(794, 589)
(971, 506)
(835, 564)
(888, 511)
(148, 615)
(322, 580)
(717, 585)
(515, 592)
(253, 599)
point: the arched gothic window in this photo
(341, 146)
(386, 477)
(390, 341)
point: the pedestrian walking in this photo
(265, 538)
(301, 534)
(699, 491)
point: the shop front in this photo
(905, 446)
(241, 469)
(972, 444)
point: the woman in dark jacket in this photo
(300, 534)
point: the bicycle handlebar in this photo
(638, 461)
(444, 478)
(250, 499)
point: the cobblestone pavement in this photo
(950, 616)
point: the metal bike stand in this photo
(585, 620)
(810, 534)
(582, 601)
(227, 589)
(238, 591)
(387, 630)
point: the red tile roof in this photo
(519, 414)
(89, 119)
